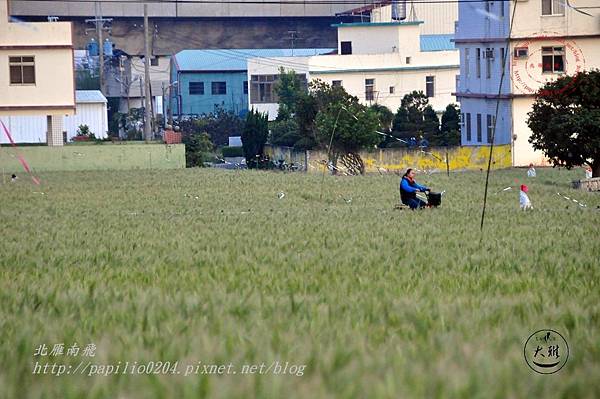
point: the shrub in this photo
(233, 151)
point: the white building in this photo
(90, 110)
(376, 62)
(548, 39)
(262, 76)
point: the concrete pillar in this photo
(54, 133)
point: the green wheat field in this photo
(210, 266)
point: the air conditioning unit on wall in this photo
(521, 52)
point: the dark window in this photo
(489, 58)
(22, 70)
(154, 61)
(346, 47)
(553, 60)
(245, 87)
(478, 59)
(468, 122)
(369, 89)
(392, 89)
(430, 86)
(490, 127)
(219, 88)
(336, 83)
(196, 88)
(479, 128)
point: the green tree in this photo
(450, 128)
(431, 126)
(306, 112)
(343, 125)
(198, 147)
(87, 79)
(289, 88)
(222, 124)
(284, 132)
(409, 119)
(386, 118)
(565, 121)
(254, 138)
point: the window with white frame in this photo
(553, 7)
(369, 89)
(430, 86)
(491, 121)
(489, 58)
(467, 62)
(22, 70)
(553, 59)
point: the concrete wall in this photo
(33, 128)
(403, 80)
(400, 159)
(288, 154)
(94, 157)
(530, 21)
(182, 9)
(377, 38)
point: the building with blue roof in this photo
(203, 80)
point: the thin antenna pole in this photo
(487, 175)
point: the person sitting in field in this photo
(531, 171)
(409, 189)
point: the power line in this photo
(505, 58)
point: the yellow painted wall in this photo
(400, 159)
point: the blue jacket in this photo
(409, 190)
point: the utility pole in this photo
(98, 21)
(147, 96)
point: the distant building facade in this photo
(39, 60)
(548, 39)
(379, 63)
(204, 80)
